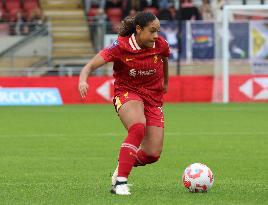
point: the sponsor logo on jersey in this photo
(146, 72)
(133, 72)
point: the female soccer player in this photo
(140, 67)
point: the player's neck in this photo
(139, 42)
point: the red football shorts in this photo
(154, 115)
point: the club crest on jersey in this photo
(114, 44)
(155, 58)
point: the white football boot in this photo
(121, 188)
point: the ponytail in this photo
(128, 25)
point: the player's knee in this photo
(140, 120)
(135, 121)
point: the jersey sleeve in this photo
(165, 51)
(111, 53)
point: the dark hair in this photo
(128, 25)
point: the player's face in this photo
(148, 35)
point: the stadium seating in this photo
(69, 31)
(114, 14)
(2, 11)
(10, 8)
(12, 4)
(30, 5)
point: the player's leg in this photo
(152, 144)
(151, 147)
(131, 114)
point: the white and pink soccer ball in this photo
(197, 178)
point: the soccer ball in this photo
(197, 178)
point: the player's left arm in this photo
(165, 67)
(165, 52)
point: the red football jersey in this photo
(138, 70)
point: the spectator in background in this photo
(36, 19)
(18, 25)
(132, 13)
(151, 3)
(114, 13)
(138, 5)
(94, 4)
(151, 6)
(206, 11)
(163, 4)
(173, 11)
(165, 14)
(128, 5)
(97, 30)
(188, 11)
(113, 4)
(1, 15)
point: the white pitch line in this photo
(216, 133)
(187, 133)
(123, 134)
(34, 135)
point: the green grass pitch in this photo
(64, 155)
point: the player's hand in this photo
(83, 88)
(165, 87)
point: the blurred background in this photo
(45, 43)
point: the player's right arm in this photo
(92, 65)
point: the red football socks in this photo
(129, 148)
